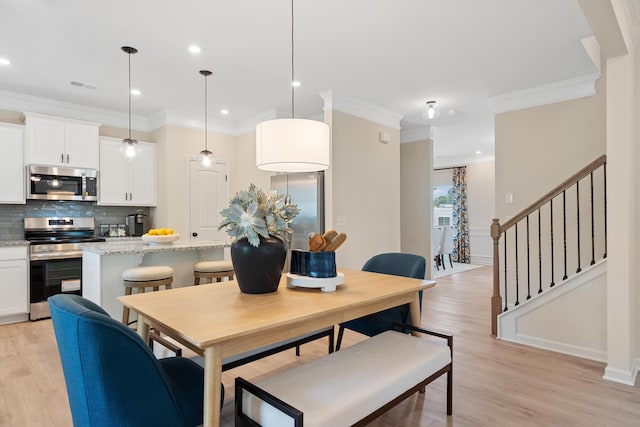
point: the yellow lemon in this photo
(169, 230)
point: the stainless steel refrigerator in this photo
(306, 189)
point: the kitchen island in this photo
(103, 264)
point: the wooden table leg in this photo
(212, 381)
(414, 312)
(143, 329)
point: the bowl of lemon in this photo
(160, 236)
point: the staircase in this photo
(549, 268)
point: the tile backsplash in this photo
(12, 216)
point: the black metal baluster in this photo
(593, 230)
(517, 279)
(505, 271)
(564, 231)
(539, 252)
(605, 211)
(552, 258)
(528, 264)
(578, 270)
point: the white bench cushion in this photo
(345, 386)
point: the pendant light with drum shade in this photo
(130, 147)
(206, 156)
(292, 145)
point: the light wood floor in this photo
(495, 383)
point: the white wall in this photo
(481, 205)
(416, 199)
(175, 146)
(365, 181)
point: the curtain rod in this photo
(451, 167)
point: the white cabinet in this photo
(12, 164)
(57, 141)
(14, 295)
(127, 182)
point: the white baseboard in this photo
(481, 259)
(622, 376)
(559, 347)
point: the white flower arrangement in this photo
(253, 213)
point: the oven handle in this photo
(56, 255)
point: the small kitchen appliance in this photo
(137, 223)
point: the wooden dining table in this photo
(217, 320)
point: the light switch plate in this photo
(341, 221)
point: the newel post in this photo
(496, 298)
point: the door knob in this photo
(194, 234)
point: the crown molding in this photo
(19, 102)
(188, 120)
(418, 133)
(249, 125)
(359, 108)
(578, 87)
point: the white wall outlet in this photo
(508, 197)
(384, 137)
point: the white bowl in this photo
(160, 240)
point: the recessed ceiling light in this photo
(478, 152)
(452, 112)
(135, 92)
(194, 49)
(224, 112)
(4, 61)
(295, 83)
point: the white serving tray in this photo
(327, 284)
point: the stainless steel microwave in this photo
(56, 183)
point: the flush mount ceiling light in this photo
(292, 145)
(194, 49)
(4, 61)
(206, 156)
(129, 147)
(431, 112)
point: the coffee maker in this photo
(137, 223)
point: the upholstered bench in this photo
(348, 387)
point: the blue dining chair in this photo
(397, 264)
(113, 378)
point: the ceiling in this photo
(393, 54)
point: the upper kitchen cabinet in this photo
(12, 164)
(56, 141)
(127, 182)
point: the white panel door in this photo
(208, 194)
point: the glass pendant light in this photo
(206, 156)
(292, 145)
(431, 112)
(129, 147)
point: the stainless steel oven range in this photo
(56, 260)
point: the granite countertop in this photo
(138, 247)
(14, 243)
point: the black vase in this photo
(258, 270)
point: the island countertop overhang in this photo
(140, 247)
